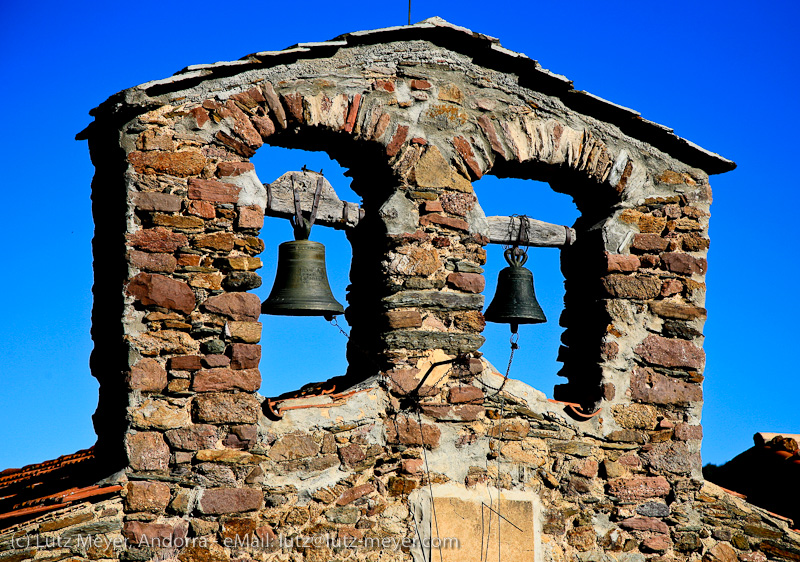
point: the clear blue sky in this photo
(723, 74)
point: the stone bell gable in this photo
(422, 440)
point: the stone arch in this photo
(524, 146)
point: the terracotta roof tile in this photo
(38, 488)
(767, 474)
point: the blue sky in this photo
(722, 74)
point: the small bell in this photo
(515, 299)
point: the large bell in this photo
(515, 300)
(301, 283)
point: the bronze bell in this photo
(515, 300)
(301, 283)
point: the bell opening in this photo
(538, 329)
(301, 349)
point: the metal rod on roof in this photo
(409, 12)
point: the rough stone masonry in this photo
(422, 440)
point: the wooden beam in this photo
(505, 230)
(341, 215)
(332, 211)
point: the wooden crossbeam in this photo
(505, 230)
(342, 215)
(332, 211)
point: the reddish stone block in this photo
(161, 263)
(381, 126)
(230, 500)
(239, 306)
(639, 487)
(671, 287)
(411, 466)
(220, 408)
(219, 241)
(650, 261)
(420, 84)
(185, 363)
(684, 263)
(645, 524)
(147, 451)
(385, 85)
(157, 240)
(294, 106)
(181, 164)
(351, 455)
(469, 282)
(251, 98)
(694, 242)
(244, 355)
(189, 259)
(162, 291)
(671, 353)
(200, 117)
(650, 387)
(193, 438)
(212, 190)
(211, 361)
(462, 394)
(352, 113)
(397, 140)
(657, 543)
(686, 432)
(406, 431)
(649, 242)
(464, 148)
(632, 287)
(419, 140)
(491, 133)
(621, 263)
(233, 169)
(404, 381)
(202, 209)
(147, 376)
(222, 379)
(165, 202)
(432, 207)
(456, 224)
(263, 125)
(609, 350)
(352, 494)
(250, 217)
(146, 496)
(239, 147)
(137, 532)
(587, 468)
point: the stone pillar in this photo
(194, 209)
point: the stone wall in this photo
(421, 422)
